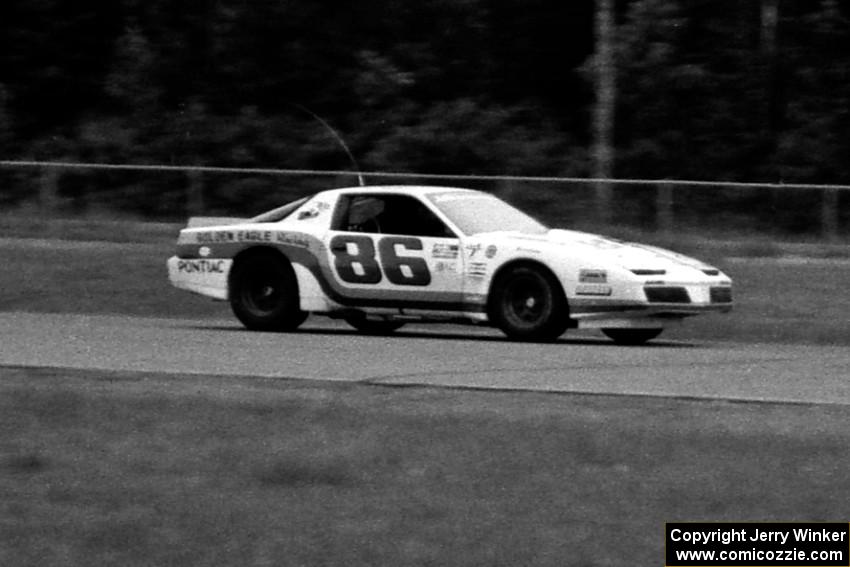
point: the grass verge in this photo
(776, 301)
(140, 469)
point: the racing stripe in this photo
(311, 253)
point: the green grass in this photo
(775, 302)
(784, 303)
(96, 278)
(134, 469)
(143, 469)
(30, 225)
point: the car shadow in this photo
(443, 335)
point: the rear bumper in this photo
(207, 277)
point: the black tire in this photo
(632, 336)
(264, 293)
(528, 304)
(372, 326)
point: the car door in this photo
(392, 250)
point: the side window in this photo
(364, 214)
(389, 214)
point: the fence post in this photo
(48, 190)
(194, 193)
(664, 209)
(829, 214)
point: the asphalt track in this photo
(438, 356)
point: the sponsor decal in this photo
(292, 240)
(204, 251)
(593, 276)
(444, 266)
(259, 236)
(315, 210)
(216, 236)
(473, 249)
(491, 251)
(254, 236)
(477, 270)
(593, 289)
(449, 197)
(445, 251)
(604, 243)
(200, 266)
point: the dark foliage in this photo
(438, 86)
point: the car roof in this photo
(418, 190)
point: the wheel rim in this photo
(263, 295)
(526, 301)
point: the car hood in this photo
(601, 249)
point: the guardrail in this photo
(663, 202)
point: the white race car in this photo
(379, 257)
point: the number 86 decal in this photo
(364, 257)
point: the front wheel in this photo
(264, 293)
(632, 336)
(527, 304)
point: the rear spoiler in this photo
(198, 222)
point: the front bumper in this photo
(661, 301)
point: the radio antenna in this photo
(336, 135)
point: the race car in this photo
(382, 256)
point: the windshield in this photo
(475, 213)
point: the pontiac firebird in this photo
(379, 257)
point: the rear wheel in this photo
(264, 293)
(527, 303)
(373, 326)
(632, 336)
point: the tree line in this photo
(705, 89)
